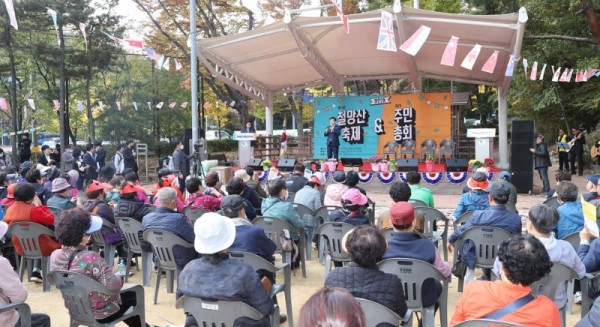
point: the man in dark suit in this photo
(129, 157)
(333, 139)
(100, 154)
(25, 147)
(90, 164)
(576, 151)
(44, 158)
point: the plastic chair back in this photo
(377, 313)
(28, 234)
(131, 230)
(552, 202)
(462, 219)
(332, 233)
(55, 211)
(24, 312)
(322, 213)
(559, 274)
(428, 144)
(417, 203)
(193, 213)
(216, 313)
(586, 300)
(487, 240)
(430, 218)
(162, 243)
(486, 323)
(573, 239)
(407, 147)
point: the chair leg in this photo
(128, 265)
(429, 316)
(409, 323)
(158, 274)
(570, 290)
(22, 268)
(308, 246)
(170, 280)
(45, 269)
(275, 316)
(302, 249)
(109, 254)
(327, 266)
(443, 302)
(288, 304)
(563, 315)
(146, 268)
(321, 249)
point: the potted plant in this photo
(266, 164)
(375, 161)
(393, 165)
(474, 164)
(429, 163)
(332, 164)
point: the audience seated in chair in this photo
(169, 181)
(560, 176)
(310, 196)
(352, 181)
(404, 242)
(592, 318)
(253, 183)
(129, 205)
(476, 198)
(208, 199)
(523, 261)
(332, 306)
(13, 291)
(589, 253)
(505, 178)
(296, 181)
(216, 276)
(34, 177)
(4, 182)
(334, 191)
(73, 229)
(62, 194)
(236, 187)
(592, 187)
(28, 207)
(495, 216)
(168, 219)
(399, 192)
(353, 202)
(366, 246)
(540, 224)
(570, 213)
(10, 195)
(276, 206)
(418, 192)
(249, 193)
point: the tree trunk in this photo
(297, 113)
(588, 10)
(88, 79)
(61, 96)
(13, 91)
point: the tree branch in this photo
(162, 31)
(560, 37)
(173, 19)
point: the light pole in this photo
(193, 73)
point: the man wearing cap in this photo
(168, 219)
(592, 188)
(237, 187)
(310, 196)
(476, 198)
(505, 178)
(218, 277)
(13, 291)
(406, 243)
(352, 202)
(495, 216)
(62, 194)
(296, 181)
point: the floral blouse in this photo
(92, 265)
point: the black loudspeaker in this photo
(286, 164)
(456, 164)
(408, 165)
(352, 162)
(523, 181)
(521, 159)
(255, 164)
(522, 131)
(187, 136)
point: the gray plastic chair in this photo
(487, 240)
(573, 239)
(259, 263)
(430, 218)
(407, 147)
(273, 227)
(291, 196)
(331, 235)
(322, 216)
(485, 323)
(559, 275)
(151, 207)
(377, 313)
(462, 219)
(428, 148)
(387, 232)
(446, 148)
(391, 148)
(221, 313)
(162, 245)
(413, 273)
(28, 235)
(55, 211)
(552, 202)
(75, 288)
(131, 230)
(417, 203)
(24, 312)
(193, 213)
(309, 225)
(586, 300)
(98, 242)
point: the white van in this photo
(214, 135)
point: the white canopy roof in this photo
(310, 51)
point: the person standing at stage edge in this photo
(563, 154)
(542, 161)
(333, 139)
(129, 157)
(577, 151)
(25, 147)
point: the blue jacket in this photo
(171, 221)
(411, 245)
(252, 239)
(471, 201)
(333, 138)
(590, 255)
(274, 207)
(250, 194)
(494, 216)
(61, 202)
(227, 280)
(570, 219)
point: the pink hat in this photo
(355, 197)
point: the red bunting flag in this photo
(343, 17)
(3, 104)
(416, 41)
(449, 55)
(56, 104)
(490, 64)
(172, 105)
(563, 77)
(205, 105)
(135, 43)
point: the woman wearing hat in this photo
(334, 192)
(542, 161)
(10, 196)
(62, 195)
(73, 230)
(476, 198)
(13, 291)
(353, 202)
(216, 276)
(129, 205)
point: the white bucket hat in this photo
(214, 233)
(3, 228)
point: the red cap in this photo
(315, 180)
(11, 191)
(95, 186)
(402, 213)
(168, 179)
(131, 188)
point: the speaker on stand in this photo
(521, 159)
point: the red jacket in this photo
(23, 211)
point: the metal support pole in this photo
(193, 72)
(269, 125)
(502, 130)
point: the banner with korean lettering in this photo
(367, 123)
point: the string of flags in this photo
(4, 105)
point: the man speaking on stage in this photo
(333, 142)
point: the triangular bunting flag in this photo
(135, 106)
(470, 59)
(510, 67)
(563, 77)
(525, 67)
(386, 40)
(449, 55)
(555, 74)
(416, 41)
(533, 75)
(159, 105)
(343, 17)
(150, 105)
(3, 104)
(10, 8)
(542, 73)
(53, 14)
(31, 103)
(167, 64)
(79, 105)
(118, 105)
(172, 105)
(159, 62)
(178, 66)
(101, 105)
(56, 104)
(490, 64)
(183, 105)
(570, 75)
(205, 105)
(82, 27)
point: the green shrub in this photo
(224, 145)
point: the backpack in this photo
(167, 162)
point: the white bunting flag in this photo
(167, 64)
(184, 105)
(118, 105)
(510, 68)
(533, 75)
(53, 14)
(10, 8)
(135, 106)
(490, 64)
(172, 105)
(449, 56)
(178, 66)
(525, 67)
(79, 105)
(542, 73)
(101, 105)
(416, 41)
(563, 77)
(584, 75)
(470, 59)
(159, 62)
(159, 105)
(150, 105)
(570, 75)
(82, 27)
(555, 74)
(31, 103)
